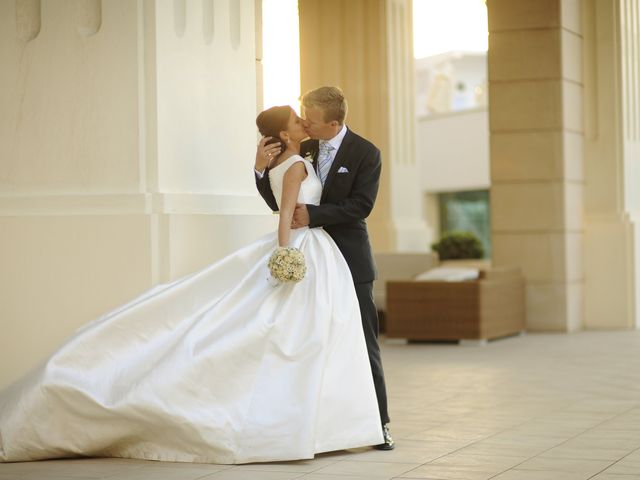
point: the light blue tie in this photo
(324, 160)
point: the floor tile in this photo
(301, 466)
(445, 472)
(566, 451)
(236, 474)
(615, 476)
(43, 476)
(541, 475)
(325, 476)
(629, 465)
(572, 465)
(483, 463)
(370, 469)
(171, 472)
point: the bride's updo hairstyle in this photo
(273, 121)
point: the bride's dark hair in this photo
(273, 121)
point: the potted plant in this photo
(458, 245)
(461, 249)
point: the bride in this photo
(220, 366)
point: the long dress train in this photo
(219, 366)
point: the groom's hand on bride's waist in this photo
(300, 216)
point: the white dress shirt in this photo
(335, 142)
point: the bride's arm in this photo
(290, 190)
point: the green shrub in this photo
(458, 245)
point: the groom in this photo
(349, 168)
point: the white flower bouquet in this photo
(287, 265)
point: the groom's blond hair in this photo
(328, 99)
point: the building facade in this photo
(127, 141)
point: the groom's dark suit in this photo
(347, 199)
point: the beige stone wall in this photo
(124, 160)
(612, 167)
(565, 144)
(369, 53)
(536, 128)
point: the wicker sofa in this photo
(490, 307)
(398, 266)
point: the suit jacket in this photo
(347, 199)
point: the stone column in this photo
(536, 142)
(612, 163)
(124, 158)
(366, 48)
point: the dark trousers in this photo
(369, 313)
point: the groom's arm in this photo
(359, 203)
(264, 187)
(264, 153)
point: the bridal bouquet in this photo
(287, 264)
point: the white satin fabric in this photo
(219, 366)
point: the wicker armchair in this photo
(492, 306)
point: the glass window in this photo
(467, 211)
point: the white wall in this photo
(127, 139)
(206, 99)
(453, 151)
(70, 116)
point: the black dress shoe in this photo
(388, 441)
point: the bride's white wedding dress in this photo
(219, 366)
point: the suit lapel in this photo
(341, 155)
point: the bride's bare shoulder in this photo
(296, 169)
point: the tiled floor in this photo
(536, 407)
